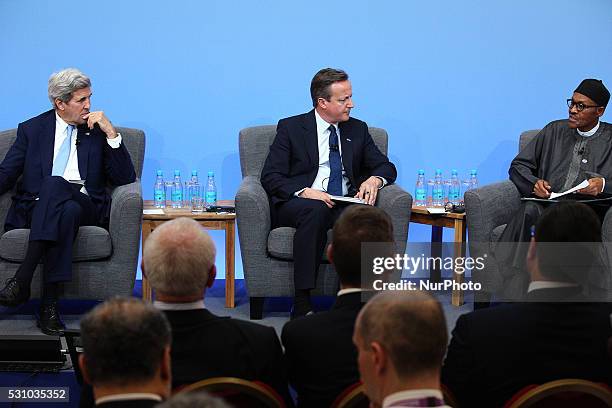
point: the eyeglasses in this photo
(579, 105)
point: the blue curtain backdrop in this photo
(453, 82)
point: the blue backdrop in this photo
(453, 82)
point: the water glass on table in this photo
(197, 199)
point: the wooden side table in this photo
(420, 215)
(208, 220)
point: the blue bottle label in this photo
(420, 194)
(211, 197)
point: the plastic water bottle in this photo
(438, 189)
(177, 190)
(454, 190)
(211, 190)
(159, 190)
(473, 179)
(194, 182)
(420, 190)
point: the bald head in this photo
(410, 326)
(178, 258)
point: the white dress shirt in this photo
(71, 172)
(396, 398)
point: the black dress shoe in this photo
(13, 294)
(49, 320)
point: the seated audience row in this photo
(395, 343)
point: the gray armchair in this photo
(104, 262)
(488, 210)
(267, 255)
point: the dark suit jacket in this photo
(31, 157)
(320, 356)
(205, 346)
(497, 351)
(293, 160)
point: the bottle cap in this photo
(160, 173)
(454, 172)
(177, 172)
(421, 171)
(438, 171)
(211, 174)
(473, 172)
(194, 172)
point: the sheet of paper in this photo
(582, 185)
(348, 199)
(153, 211)
(436, 210)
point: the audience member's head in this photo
(126, 348)
(179, 260)
(195, 399)
(358, 224)
(401, 339)
(566, 243)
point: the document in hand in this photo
(353, 200)
(582, 185)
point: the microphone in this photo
(581, 151)
(78, 140)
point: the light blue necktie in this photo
(61, 160)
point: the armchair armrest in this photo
(397, 203)
(126, 218)
(489, 207)
(252, 217)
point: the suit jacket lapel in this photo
(84, 138)
(347, 152)
(47, 143)
(311, 138)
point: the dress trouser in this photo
(59, 211)
(311, 219)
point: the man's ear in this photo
(330, 253)
(211, 276)
(83, 367)
(59, 104)
(165, 372)
(380, 357)
(600, 111)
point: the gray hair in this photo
(124, 340)
(194, 399)
(178, 256)
(410, 326)
(62, 84)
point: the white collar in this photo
(129, 396)
(590, 132)
(349, 290)
(60, 123)
(323, 125)
(198, 304)
(535, 285)
(411, 394)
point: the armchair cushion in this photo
(92, 243)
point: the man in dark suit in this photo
(179, 261)
(401, 339)
(320, 356)
(556, 333)
(65, 158)
(126, 354)
(316, 155)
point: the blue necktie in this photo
(334, 186)
(61, 160)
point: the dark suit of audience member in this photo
(205, 345)
(320, 355)
(316, 153)
(555, 333)
(179, 261)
